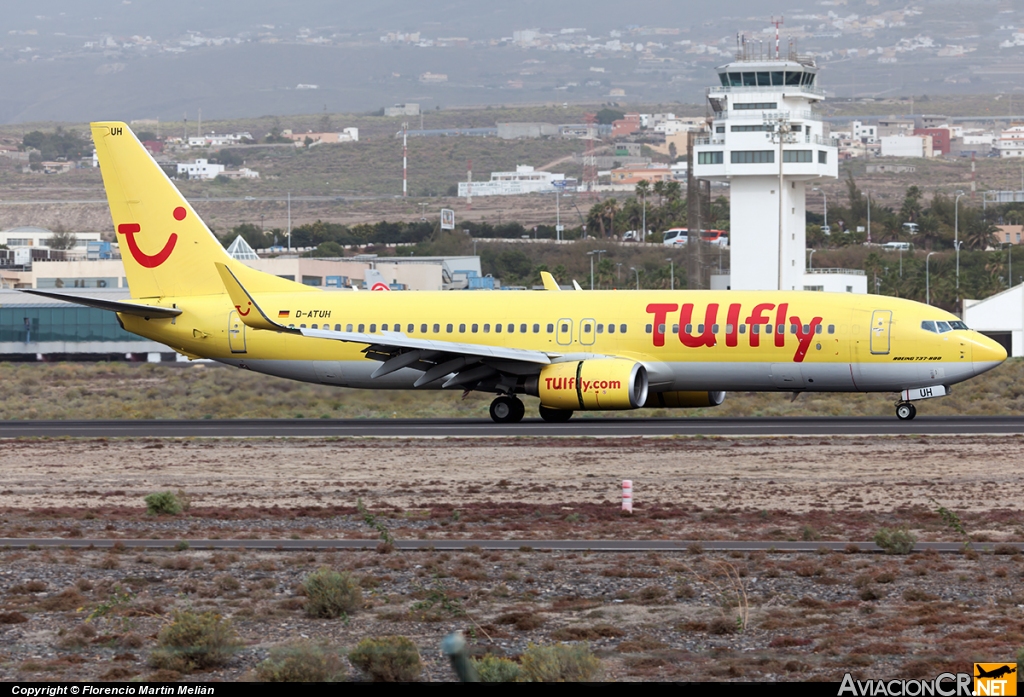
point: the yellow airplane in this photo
(575, 350)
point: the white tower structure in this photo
(768, 143)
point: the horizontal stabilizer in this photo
(146, 311)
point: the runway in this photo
(470, 428)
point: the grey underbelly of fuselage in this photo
(748, 377)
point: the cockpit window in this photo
(940, 327)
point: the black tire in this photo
(913, 411)
(507, 410)
(905, 411)
(520, 410)
(555, 416)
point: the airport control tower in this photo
(768, 144)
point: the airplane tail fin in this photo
(375, 280)
(166, 248)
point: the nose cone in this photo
(986, 353)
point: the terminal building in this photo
(767, 143)
(35, 328)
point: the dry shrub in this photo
(598, 631)
(226, 582)
(895, 540)
(523, 620)
(28, 587)
(302, 662)
(118, 674)
(68, 599)
(387, 659)
(560, 663)
(194, 641)
(163, 503)
(13, 617)
(331, 594)
(495, 669)
(76, 638)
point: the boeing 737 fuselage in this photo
(575, 350)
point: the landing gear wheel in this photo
(555, 416)
(507, 410)
(905, 411)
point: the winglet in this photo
(251, 314)
(575, 285)
(549, 281)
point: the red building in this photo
(940, 138)
(628, 124)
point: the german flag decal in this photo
(283, 314)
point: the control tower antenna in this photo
(777, 23)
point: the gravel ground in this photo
(691, 615)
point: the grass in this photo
(65, 391)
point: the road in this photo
(405, 428)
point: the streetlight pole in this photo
(643, 233)
(634, 270)
(927, 280)
(810, 261)
(780, 131)
(956, 239)
(869, 216)
(672, 272)
(591, 254)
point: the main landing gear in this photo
(905, 411)
(507, 409)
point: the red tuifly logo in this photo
(149, 261)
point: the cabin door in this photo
(881, 322)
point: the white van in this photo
(675, 237)
(896, 246)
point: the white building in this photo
(525, 180)
(217, 139)
(1011, 142)
(864, 132)
(200, 169)
(32, 237)
(755, 99)
(1000, 317)
(906, 146)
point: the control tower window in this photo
(724, 77)
(777, 79)
(750, 79)
(793, 77)
(808, 79)
(764, 80)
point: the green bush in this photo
(331, 594)
(895, 540)
(560, 663)
(494, 669)
(302, 662)
(387, 659)
(162, 503)
(194, 641)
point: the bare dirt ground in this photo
(648, 616)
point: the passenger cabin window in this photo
(462, 329)
(362, 327)
(337, 327)
(600, 329)
(536, 329)
(475, 328)
(437, 328)
(423, 329)
(551, 329)
(410, 328)
(348, 327)
(831, 329)
(511, 329)
(449, 328)
(649, 328)
(373, 328)
(497, 329)
(487, 329)
(522, 328)
(622, 329)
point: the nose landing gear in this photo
(507, 409)
(905, 411)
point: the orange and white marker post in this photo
(627, 495)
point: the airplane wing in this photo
(138, 310)
(464, 364)
(549, 281)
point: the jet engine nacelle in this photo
(612, 383)
(684, 400)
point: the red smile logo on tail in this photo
(248, 309)
(149, 261)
